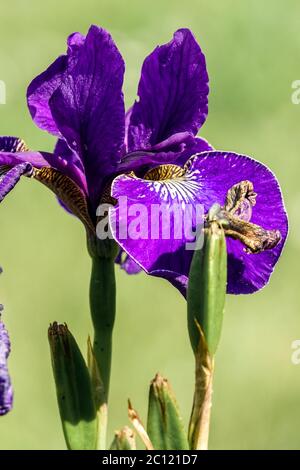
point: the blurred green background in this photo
(253, 52)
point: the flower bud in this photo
(74, 390)
(165, 425)
(207, 289)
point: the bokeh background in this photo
(253, 51)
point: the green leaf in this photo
(207, 289)
(124, 440)
(164, 425)
(73, 388)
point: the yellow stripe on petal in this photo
(164, 172)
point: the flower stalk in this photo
(103, 310)
(206, 300)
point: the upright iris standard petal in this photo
(43, 86)
(206, 180)
(6, 392)
(88, 107)
(173, 93)
(40, 91)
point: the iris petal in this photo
(173, 93)
(17, 160)
(208, 177)
(88, 108)
(79, 98)
(6, 392)
(39, 92)
(11, 177)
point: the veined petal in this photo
(155, 200)
(43, 86)
(173, 93)
(13, 151)
(208, 177)
(59, 174)
(88, 107)
(12, 144)
(40, 91)
(17, 160)
(67, 161)
(6, 392)
(70, 195)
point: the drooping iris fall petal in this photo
(206, 180)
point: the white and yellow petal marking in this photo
(173, 183)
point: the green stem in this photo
(103, 308)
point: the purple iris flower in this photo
(150, 154)
(6, 392)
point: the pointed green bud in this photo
(124, 440)
(165, 426)
(207, 288)
(74, 390)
